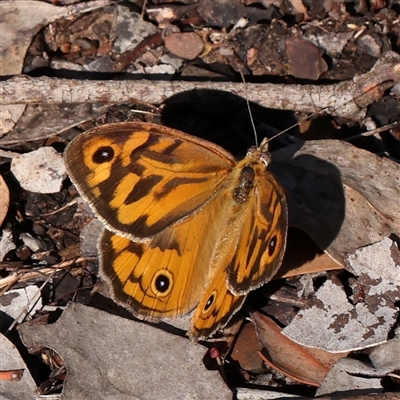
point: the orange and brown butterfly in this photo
(187, 227)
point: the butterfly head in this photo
(260, 153)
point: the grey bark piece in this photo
(333, 323)
(109, 357)
(10, 359)
(349, 374)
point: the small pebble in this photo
(39, 229)
(188, 45)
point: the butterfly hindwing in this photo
(216, 307)
(148, 279)
(168, 274)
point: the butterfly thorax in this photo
(246, 184)
(256, 157)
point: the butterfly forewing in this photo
(133, 174)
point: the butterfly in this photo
(186, 226)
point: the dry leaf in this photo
(40, 171)
(46, 120)
(381, 263)
(258, 394)
(129, 29)
(6, 243)
(321, 262)
(303, 256)
(245, 350)
(21, 20)
(305, 58)
(9, 115)
(17, 303)
(5, 199)
(386, 357)
(300, 363)
(299, 7)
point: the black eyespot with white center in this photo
(209, 303)
(162, 283)
(272, 245)
(103, 154)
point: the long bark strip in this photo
(346, 99)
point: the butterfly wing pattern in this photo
(187, 227)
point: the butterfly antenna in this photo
(303, 120)
(248, 107)
(293, 126)
(318, 112)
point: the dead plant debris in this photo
(330, 322)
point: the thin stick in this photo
(373, 131)
(44, 271)
(33, 301)
(143, 9)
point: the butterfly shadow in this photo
(315, 196)
(101, 301)
(224, 118)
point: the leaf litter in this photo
(344, 198)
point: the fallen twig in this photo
(347, 99)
